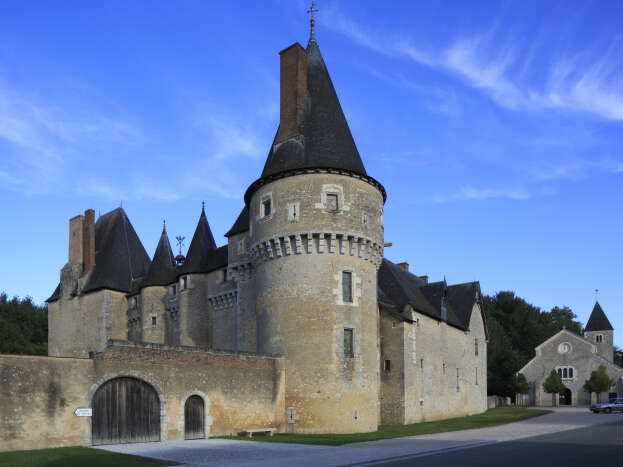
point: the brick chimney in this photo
(293, 90)
(425, 279)
(404, 266)
(82, 240)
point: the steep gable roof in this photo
(120, 258)
(201, 248)
(598, 321)
(162, 270)
(241, 224)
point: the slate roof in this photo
(598, 321)
(325, 141)
(120, 258)
(201, 248)
(55, 295)
(241, 224)
(398, 288)
(163, 269)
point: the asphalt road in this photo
(599, 446)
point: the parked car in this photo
(611, 405)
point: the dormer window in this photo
(332, 202)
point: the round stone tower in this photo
(316, 239)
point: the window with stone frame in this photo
(349, 343)
(266, 207)
(599, 338)
(347, 286)
(154, 321)
(387, 365)
(184, 282)
(476, 346)
(332, 202)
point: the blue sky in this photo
(496, 128)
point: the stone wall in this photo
(298, 261)
(38, 395)
(84, 323)
(425, 356)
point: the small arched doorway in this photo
(566, 397)
(194, 418)
(125, 410)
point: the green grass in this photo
(75, 457)
(492, 417)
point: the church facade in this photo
(298, 322)
(574, 357)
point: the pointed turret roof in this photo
(120, 258)
(201, 247)
(325, 141)
(162, 270)
(598, 320)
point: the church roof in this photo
(162, 270)
(241, 224)
(598, 321)
(120, 258)
(201, 248)
(325, 140)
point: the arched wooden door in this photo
(125, 410)
(194, 417)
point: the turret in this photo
(600, 332)
(316, 242)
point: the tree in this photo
(599, 382)
(23, 326)
(553, 385)
(521, 384)
(618, 356)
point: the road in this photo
(600, 445)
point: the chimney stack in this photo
(425, 279)
(82, 240)
(404, 265)
(293, 90)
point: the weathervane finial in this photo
(311, 11)
(596, 294)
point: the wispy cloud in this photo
(591, 83)
(479, 194)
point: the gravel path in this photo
(229, 453)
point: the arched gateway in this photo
(125, 410)
(194, 416)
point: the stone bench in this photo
(250, 433)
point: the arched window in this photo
(570, 372)
(564, 373)
(560, 372)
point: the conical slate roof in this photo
(120, 258)
(598, 320)
(325, 140)
(162, 270)
(201, 248)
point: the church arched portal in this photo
(566, 397)
(125, 410)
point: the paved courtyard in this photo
(229, 453)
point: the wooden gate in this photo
(125, 410)
(194, 418)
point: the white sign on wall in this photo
(84, 412)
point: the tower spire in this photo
(312, 21)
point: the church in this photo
(298, 323)
(574, 357)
